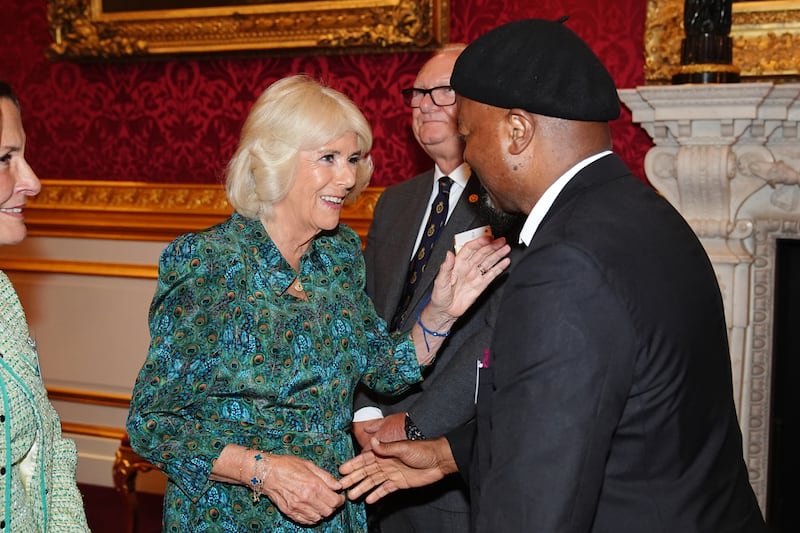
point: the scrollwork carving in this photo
(757, 28)
(75, 35)
(662, 41)
(766, 234)
(407, 26)
(774, 173)
(778, 175)
(710, 227)
(769, 54)
(785, 198)
(324, 27)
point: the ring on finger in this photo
(481, 270)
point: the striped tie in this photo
(436, 221)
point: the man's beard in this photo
(503, 224)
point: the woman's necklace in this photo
(297, 285)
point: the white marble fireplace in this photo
(728, 158)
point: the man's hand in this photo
(388, 429)
(396, 465)
(363, 432)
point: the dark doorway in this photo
(783, 491)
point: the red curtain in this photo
(178, 121)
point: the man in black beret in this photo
(605, 403)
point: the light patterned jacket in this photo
(38, 492)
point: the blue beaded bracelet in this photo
(426, 331)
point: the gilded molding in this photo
(765, 34)
(107, 399)
(90, 430)
(84, 268)
(144, 211)
(409, 25)
(130, 196)
(81, 29)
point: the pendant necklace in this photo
(297, 285)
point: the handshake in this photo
(308, 494)
(390, 466)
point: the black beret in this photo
(540, 66)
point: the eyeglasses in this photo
(441, 96)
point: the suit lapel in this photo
(394, 262)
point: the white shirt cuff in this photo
(367, 413)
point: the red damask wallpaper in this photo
(178, 120)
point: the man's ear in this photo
(521, 125)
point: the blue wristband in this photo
(426, 331)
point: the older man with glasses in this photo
(415, 223)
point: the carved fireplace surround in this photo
(728, 158)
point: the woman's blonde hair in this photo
(293, 114)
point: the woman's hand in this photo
(301, 490)
(462, 278)
(477, 264)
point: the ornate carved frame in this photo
(766, 235)
(81, 29)
(766, 38)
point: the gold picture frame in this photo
(765, 34)
(91, 29)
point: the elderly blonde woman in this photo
(261, 329)
(37, 465)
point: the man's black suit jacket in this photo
(608, 404)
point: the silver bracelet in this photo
(261, 472)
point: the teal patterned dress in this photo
(233, 359)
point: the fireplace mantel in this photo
(727, 156)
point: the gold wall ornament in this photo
(766, 39)
(84, 29)
(147, 211)
(408, 24)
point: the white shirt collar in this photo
(544, 204)
(460, 175)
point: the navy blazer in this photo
(608, 404)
